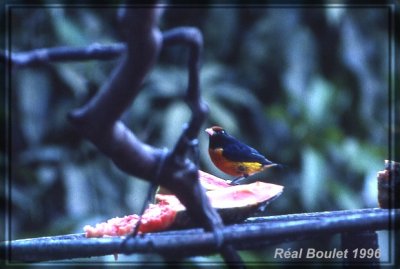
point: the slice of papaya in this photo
(234, 204)
(211, 182)
(208, 181)
(157, 217)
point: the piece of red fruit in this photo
(234, 204)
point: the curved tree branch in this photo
(179, 167)
(110, 135)
(99, 120)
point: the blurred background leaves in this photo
(308, 87)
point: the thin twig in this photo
(63, 54)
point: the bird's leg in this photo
(235, 180)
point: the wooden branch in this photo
(98, 120)
(254, 233)
(177, 170)
(63, 54)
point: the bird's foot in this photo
(235, 181)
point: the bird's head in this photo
(215, 130)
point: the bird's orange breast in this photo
(231, 167)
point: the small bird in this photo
(234, 157)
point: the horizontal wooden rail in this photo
(253, 233)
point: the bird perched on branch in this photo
(234, 157)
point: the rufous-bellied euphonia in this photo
(234, 157)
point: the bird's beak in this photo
(209, 131)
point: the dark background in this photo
(308, 86)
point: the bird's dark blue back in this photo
(237, 151)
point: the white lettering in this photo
(310, 253)
(288, 253)
(278, 252)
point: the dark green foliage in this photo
(307, 87)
